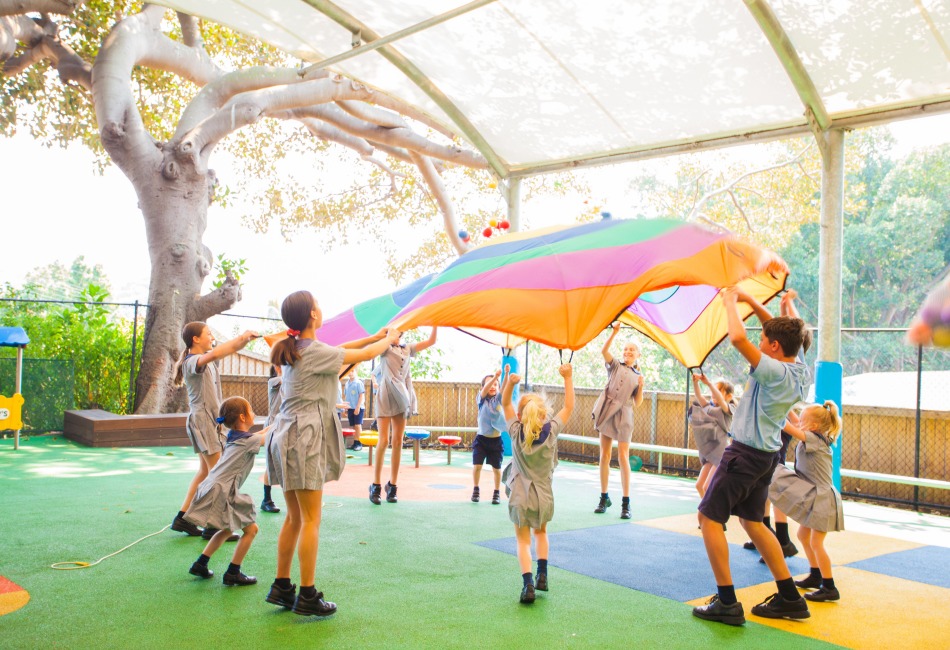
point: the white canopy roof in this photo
(539, 85)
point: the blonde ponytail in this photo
(532, 411)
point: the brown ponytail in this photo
(188, 334)
(233, 408)
(295, 310)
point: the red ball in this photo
(504, 225)
(487, 232)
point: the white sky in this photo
(56, 208)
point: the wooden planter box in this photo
(97, 428)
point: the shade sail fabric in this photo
(561, 286)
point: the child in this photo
(777, 380)
(613, 417)
(808, 496)
(218, 504)
(394, 405)
(711, 423)
(528, 476)
(305, 446)
(200, 376)
(488, 444)
(273, 407)
(355, 393)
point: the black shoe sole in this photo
(728, 620)
(203, 576)
(273, 600)
(248, 580)
(788, 615)
(307, 612)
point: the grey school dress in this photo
(528, 476)
(273, 399)
(204, 400)
(305, 445)
(395, 396)
(807, 494)
(613, 410)
(217, 502)
(710, 430)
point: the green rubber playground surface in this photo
(428, 572)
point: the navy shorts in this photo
(490, 449)
(740, 485)
(783, 452)
(354, 417)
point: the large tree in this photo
(157, 97)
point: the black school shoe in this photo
(182, 526)
(715, 610)
(496, 498)
(390, 492)
(749, 546)
(269, 506)
(282, 597)
(811, 582)
(375, 489)
(602, 505)
(527, 594)
(475, 495)
(238, 579)
(209, 532)
(823, 595)
(777, 607)
(541, 583)
(788, 550)
(315, 606)
(200, 570)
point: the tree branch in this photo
(745, 217)
(42, 43)
(17, 7)
(217, 301)
(434, 182)
(190, 31)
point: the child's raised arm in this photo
(794, 431)
(608, 358)
(568, 373)
(787, 305)
(511, 379)
(757, 308)
(229, 347)
(483, 393)
(372, 350)
(717, 396)
(429, 342)
(698, 391)
(737, 335)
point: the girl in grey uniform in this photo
(528, 476)
(273, 406)
(395, 402)
(305, 446)
(710, 420)
(200, 376)
(613, 417)
(218, 504)
(808, 495)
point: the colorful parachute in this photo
(932, 324)
(562, 286)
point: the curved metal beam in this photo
(350, 22)
(790, 60)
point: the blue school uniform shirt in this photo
(774, 387)
(354, 389)
(491, 419)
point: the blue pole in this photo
(828, 378)
(508, 360)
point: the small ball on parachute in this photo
(604, 215)
(504, 225)
(941, 336)
(493, 223)
(487, 232)
(463, 235)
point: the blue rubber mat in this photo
(659, 562)
(927, 564)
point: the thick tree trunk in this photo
(174, 203)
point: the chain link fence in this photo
(48, 390)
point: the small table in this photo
(449, 441)
(417, 436)
(369, 440)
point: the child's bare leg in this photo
(821, 555)
(702, 478)
(357, 430)
(205, 463)
(805, 537)
(384, 425)
(308, 543)
(606, 449)
(523, 536)
(476, 474)
(767, 545)
(541, 542)
(250, 532)
(717, 549)
(216, 541)
(497, 475)
(289, 534)
(398, 430)
(623, 457)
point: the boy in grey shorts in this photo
(778, 379)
